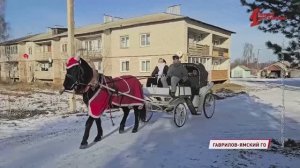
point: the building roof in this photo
(273, 67)
(277, 66)
(130, 22)
(40, 37)
(17, 40)
(158, 17)
(285, 63)
(243, 67)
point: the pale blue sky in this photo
(34, 16)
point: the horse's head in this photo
(78, 76)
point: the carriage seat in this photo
(158, 91)
(183, 91)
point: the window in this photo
(198, 60)
(46, 48)
(30, 50)
(64, 48)
(194, 60)
(197, 38)
(216, 42)
(99, 44)
(145, 66)
(13, 49)
(124, 41)
(124, 65)
(145, 40)
(44, 66)
(7, 50)
(92, 45)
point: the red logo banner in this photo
(257, 16)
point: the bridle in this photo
(76, 81)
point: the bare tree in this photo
(289, 25)
(248, 54)
(3, 23)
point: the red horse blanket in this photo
(125, 84)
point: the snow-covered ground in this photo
(294, 82)
(52, 139)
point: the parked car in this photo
(273, 75)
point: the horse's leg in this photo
(122, 124)
(136, 119)
(88, 126)
(143, 113)
(99, 129)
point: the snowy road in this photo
(160, 143)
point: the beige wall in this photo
(57, 63)
(22, 63)
(165, 40)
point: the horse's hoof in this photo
(83, 146)
(134, 130)
(121, 130)
(98, 138)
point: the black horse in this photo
(80, 78)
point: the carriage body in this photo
(195, 96)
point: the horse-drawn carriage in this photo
(195, 94)
(101, 92)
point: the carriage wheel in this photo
(180, 114)
(209, 105)
(148, 112)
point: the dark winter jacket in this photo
(178, 70)
(156, 70)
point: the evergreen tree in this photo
(289, 26)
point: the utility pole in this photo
(71, 47)
(70, 21)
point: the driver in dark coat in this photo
(176, 72)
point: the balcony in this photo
(92, 54)
(10, 58)
(198, 50)
(43, 75)
(220, 52)
(43, 56)
(219, 75)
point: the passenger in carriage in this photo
(160, 71)
(176, 72)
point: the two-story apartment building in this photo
(128, 46)
(10, 58)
